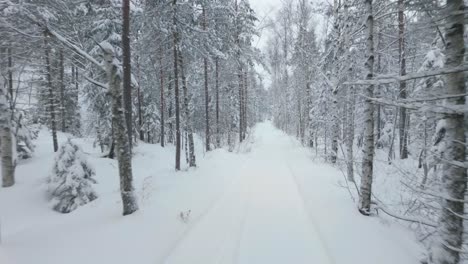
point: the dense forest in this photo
(374, 88)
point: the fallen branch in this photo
(405, 218)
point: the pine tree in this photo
(70, 182)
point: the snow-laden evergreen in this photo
(70, 184)
(25, 134)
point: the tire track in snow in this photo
(195, 222)
(310, 216)
(239, 231)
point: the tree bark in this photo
(187, 116)
(218, 136)
(401, 51)
(6, 136)
(207, 96)
(446, 249)
(10, 80)
(245, 104)
(170, 109)
(62, 92)
(368, 148)
(162, 104)
(51, 108)
(122, 143)
(127, 71)
(350, 133)
(176, 85)
(241, 107)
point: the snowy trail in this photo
(268, 218)
(252, 224)
(271, 205)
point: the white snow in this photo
(270, 205)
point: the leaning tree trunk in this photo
(122, 144)
(7, 141)
(368, 148)
(448, 246)
(51, 108)
(187, 116)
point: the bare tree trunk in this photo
(310, 133)
(241, 107)
(368, 148)
(51, 108)
(170, 111)
(62, 92)
(240, 77)
(207, 96)
(448, 246)
(127, 71)
(245, 100)
(162, 106)
(187, 116)
(176, 86)
(391, 151)
(124, 156)
(10, 80)
(378, 94)
(6, 136)
(350, 133)
(140, 101)
(335, 128)
(218, 136)
(401, 51)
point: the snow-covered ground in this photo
(272, 204)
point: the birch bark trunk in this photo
(447, 249)
(368, 148)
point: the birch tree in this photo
(368, 148)
(447, 247)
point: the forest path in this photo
(283, 208)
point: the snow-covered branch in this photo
(387, 79)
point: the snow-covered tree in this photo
(70, 184)
(24, 134)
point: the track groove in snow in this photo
(194, 222)
(311, 217)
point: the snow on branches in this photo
(70, 183)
